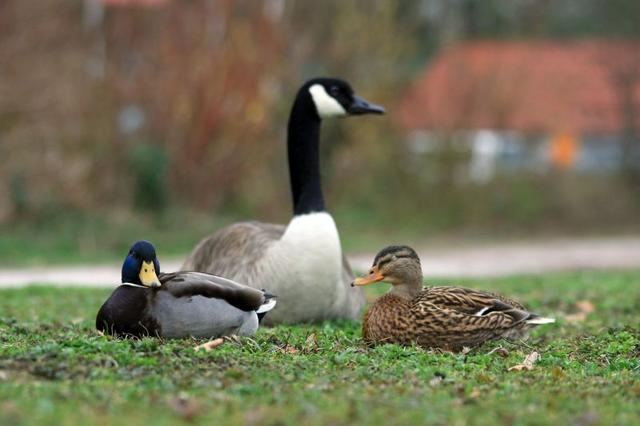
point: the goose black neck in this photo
(303, 141)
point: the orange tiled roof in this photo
(528, 86)
(133, 2)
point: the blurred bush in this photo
(149, 164)
(211, 84)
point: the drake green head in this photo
(141, 265)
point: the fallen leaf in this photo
(484, 378)
(475, 393)
(185, 407)
(528, 362)
(585, 306)
(254, 416)
(233, 338)
(435, 381)
(502, 352)
(212, 344)
(557, 372)
(288, 349)
(311, 343)
(574, 318)
(587, 419)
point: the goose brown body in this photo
(439, 317)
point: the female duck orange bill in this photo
(436, 317)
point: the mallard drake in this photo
(303, 261)
(178, 304)
(437, 317)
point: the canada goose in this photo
(178, 304)
(441, 317)
(301, 262)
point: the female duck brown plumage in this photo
(439, 317)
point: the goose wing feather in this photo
(234, 251)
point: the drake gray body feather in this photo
(200, 316)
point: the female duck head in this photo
(397, 265)
(333, 97)
(141, 265)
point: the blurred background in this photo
(165, 119)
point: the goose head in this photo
(141, 265)
(332, 97)
(396, 265)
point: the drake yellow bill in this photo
(148, 275)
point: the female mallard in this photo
(178, 304)
(303, 261)
(439, 317)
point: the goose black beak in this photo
(359, 107)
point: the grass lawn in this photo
(55, 369)
(81, 239)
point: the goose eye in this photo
(334, 90)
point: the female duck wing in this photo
(186, 284)
(468, 301)
(438, 326)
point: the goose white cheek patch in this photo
(326, 105)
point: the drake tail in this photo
(269, 304)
